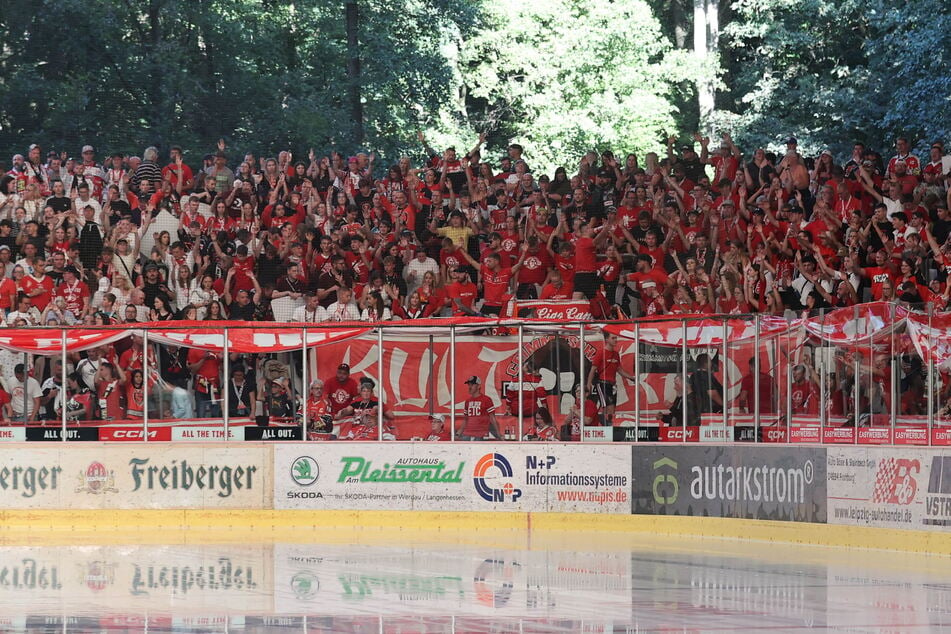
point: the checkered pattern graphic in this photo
(885, 480)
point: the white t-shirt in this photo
(301, 314)
(15, 390)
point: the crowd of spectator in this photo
(120, 239)
(703, 231)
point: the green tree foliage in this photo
(837, 71)
(567, 76)
(263, 74)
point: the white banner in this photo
(128, 476)
(890, 487)
(458, 477)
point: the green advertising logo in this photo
(305, 471)
(666, 487)
(356, 469)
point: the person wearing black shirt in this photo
(706, 389)
(59, 201)
(338, 277)
(243, 305)
(153, 286)
(241, 394)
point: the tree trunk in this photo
(706, 29)
(353, 72)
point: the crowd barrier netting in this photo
(874, 373)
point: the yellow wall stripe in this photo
(137, 526)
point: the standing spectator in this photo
(478, 414)
(24, 394)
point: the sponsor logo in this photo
(357, 469)
(305, 471)
(569, 312)
(895, 481)
(108, 433)
(96, 479)
(491, 468)
(754, 484)
(29, 480)
(666, 488)
(224, 479)
(938, 500)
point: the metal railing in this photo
(715, 378)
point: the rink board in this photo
(893, 498)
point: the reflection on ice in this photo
(578, 583)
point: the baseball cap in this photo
(473, 380)
(438, 418)
(605, 173)
(71, 269)
(791, 140)
(4, 247)
(344, 366)
(758, 211)
(88, 148)
(686, 148)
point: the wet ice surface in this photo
(447, 582)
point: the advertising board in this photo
(444, 477)
(766, 483)
(135, 476)
(891, 487)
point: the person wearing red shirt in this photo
(534, 271)
(556, 288)
(451, 257)
(565, 262)
(748, 390)
(646, 269)
(880, 273)
(177, 167)
(341, 389)
(478, 414)
(8, 294)
(805, 393)
(205, 366)
(652, 301)
(39, 286)
(586, 259)
(74, 292)
(531, 394)
(606, 366)
(578, 416)
(135, 394)
(109, 381)
(320, 424)
(726, 163)
(462, 294)
(402, 211)
(904, 155)
(496, 281)
(544, 429)
(438, 431)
